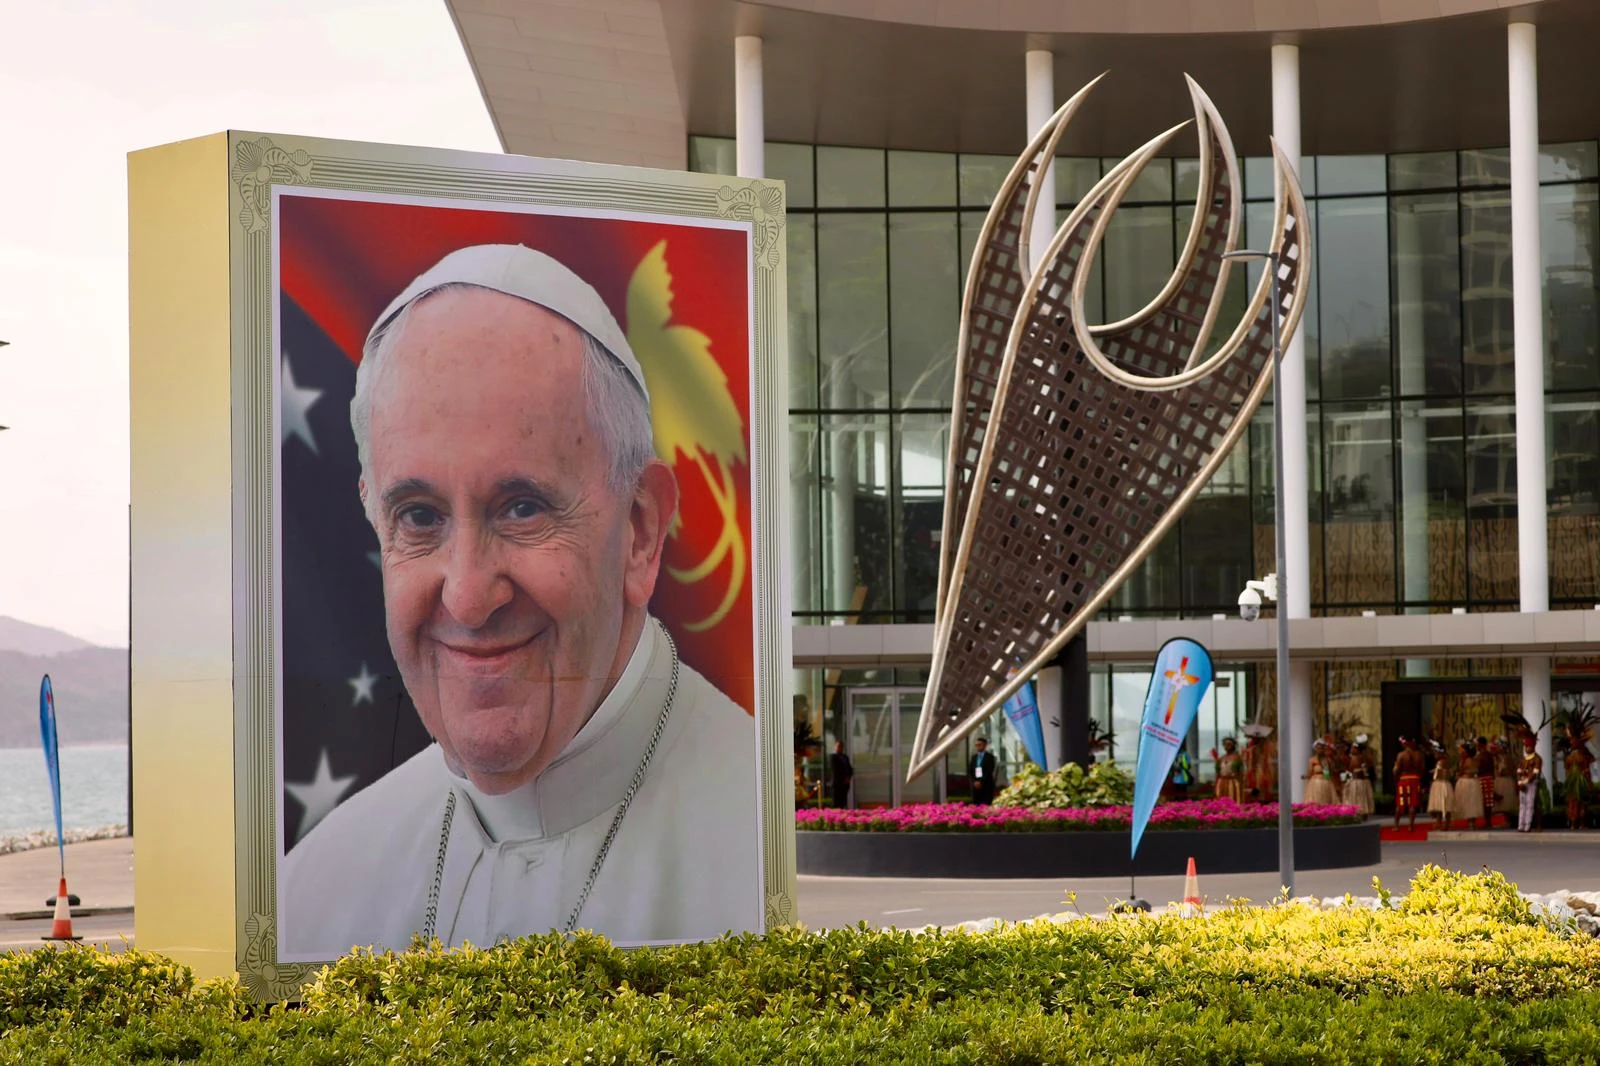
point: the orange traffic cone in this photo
(1191, 890)
(61, 928)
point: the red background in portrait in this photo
(342, 261)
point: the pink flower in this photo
(961, 817)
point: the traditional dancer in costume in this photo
(1360, 768)
(1468, 805)
(1408, 767)
(1441, 796)
(1505, 777)
(1260, 763)
(1319, 777)
(1529, 773)
(1575, 786)
(1485, 762)
(1230, 771)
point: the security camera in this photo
(1249, 605)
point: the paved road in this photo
(1544, 864)
(105, 930)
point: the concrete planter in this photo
(1078, 854)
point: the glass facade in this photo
(1408, 347)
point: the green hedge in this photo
(1459, 971)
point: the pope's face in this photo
(509, 567)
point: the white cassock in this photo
(685, 863)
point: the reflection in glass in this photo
(1486, 291)
(1216, 560)
(980, 178)
(857, 547)
(1075, 177)
(1569, 231)
(1258, 233)
(1358, 531)
(849, 177)
(1153, 185)
(1433, 532)
(1339, 175)
(1491, 445)
(1153, 586)
(1260, 177)
(1352, 252)
(971, 226)
(1186, 180)
(1263, 543)
(923, 443)
(852, 271)
(924, 307)
(1568, 162)
(922, 179)
(805, 484)
(1427, 294)
(1573, 435)
(802, 275)
(1422, 170)
(1412, 294)
(1486, 166)
(1136, 259)
(792, 164)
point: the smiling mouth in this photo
(486, 655)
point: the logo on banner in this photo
(1178, 679)
(1181, 676)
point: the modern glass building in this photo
(1451, 347)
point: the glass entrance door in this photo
(880, 727)
(870, 730)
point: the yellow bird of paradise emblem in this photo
(694, 415)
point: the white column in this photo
(1041, 67)
(749, 120)
(1296, 587)
(1527, 309)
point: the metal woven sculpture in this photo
(1074, 448)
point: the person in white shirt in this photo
(581, 776)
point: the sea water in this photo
(94, 788)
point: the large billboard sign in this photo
(489, 543)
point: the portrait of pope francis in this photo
(580, 776)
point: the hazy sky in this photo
(82, 84)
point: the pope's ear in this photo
(655, 502)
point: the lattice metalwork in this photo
(1075, 447)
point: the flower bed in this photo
(965, 818)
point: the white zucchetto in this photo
(519, 271)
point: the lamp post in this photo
(1285, 769)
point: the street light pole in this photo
(1285, 766)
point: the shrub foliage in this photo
(1458, 971)
(1104, 784)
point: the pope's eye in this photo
(523, 509)
(417, 516)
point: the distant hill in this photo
(91, 686)
(30, 639)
